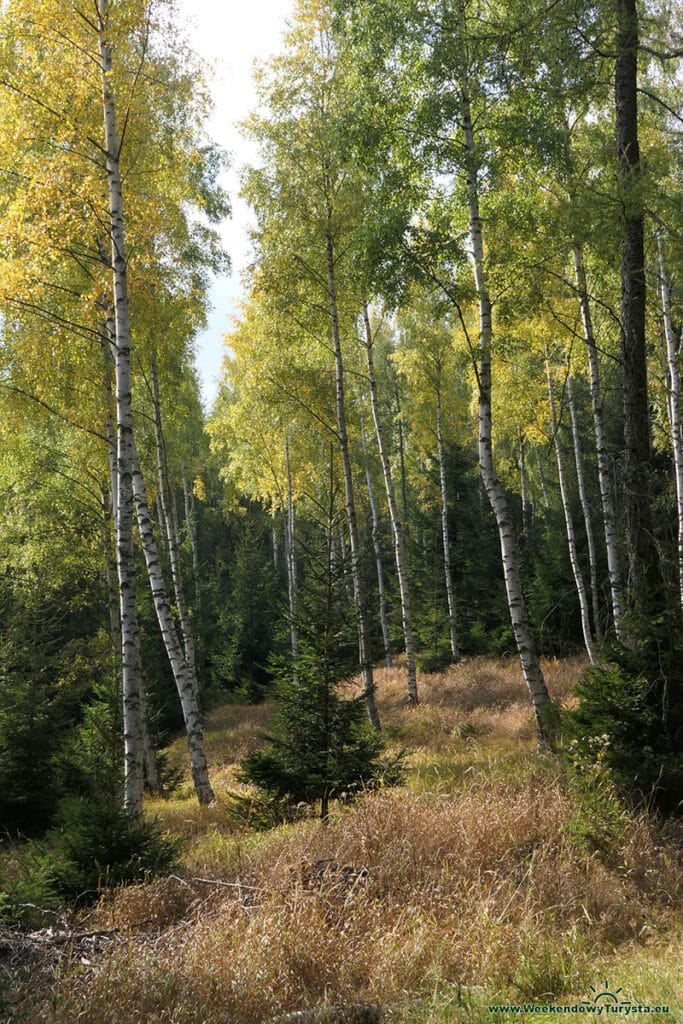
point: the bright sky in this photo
(231, 37)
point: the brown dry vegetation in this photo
(476, 882)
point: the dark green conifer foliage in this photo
(320, 743)
(248, 614)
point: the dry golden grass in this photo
(484, 887)
(471, 875)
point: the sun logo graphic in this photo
(606, 996)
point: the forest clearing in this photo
(359, 683)
(491, 877)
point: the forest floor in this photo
(490, 879)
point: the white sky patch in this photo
(230, 37)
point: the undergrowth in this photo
(492, 877)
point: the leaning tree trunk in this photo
(150, 766)
(152, 775)
(571, 537)
(110, 500)
(170, 525)
(445, 535)
(365, 652)
(396, 522)
(585, 507)
(125, 550)
(185, 679)
(540, 699)
(377, 549)
(642, 554)
(674, 388)
(609, 519)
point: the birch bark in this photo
(377, 549)
(541, 479)
(191, 525)
(185, 679)
(524, 485)
(170, 525)
(125, 551)
(365, 653)
(396, 522)
(604, 478)
(290, 557)
(453, 630)
(526, 646)
(109, 504)
(571, 536)
(585, 507)
(674, 407)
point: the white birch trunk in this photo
(541, 478)
(170, 526)
(109, 505)
(377, 549)
(674, 389)
(191, 525)
(450, 594)
(185, 679)
(125, 551)
(276, 547)
(526, 646)
(290, 556)
(524, 485)
(571, 537)
(402, 462)
(365, 653)
(396, 521)
(608, 513)
(585, 507)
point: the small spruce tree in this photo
(320, 743)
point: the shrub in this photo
(630, 715)
(96, 845)
(435, 660)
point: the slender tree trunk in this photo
(190, 524)
(125, 550)
(642, 554)
(290, 556)
(109, 514)
(276, 547)
(585, 507)
(541, 480)
(524, 486)
(604, 477)
(526, 646)
(170, 516)
(185, 679)
(396, 523)
(453, 629)
(571, 537)
(365, 651)
(402, 461)
(377, 548)
(674, 388)
(151, 768)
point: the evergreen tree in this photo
(320, 744)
